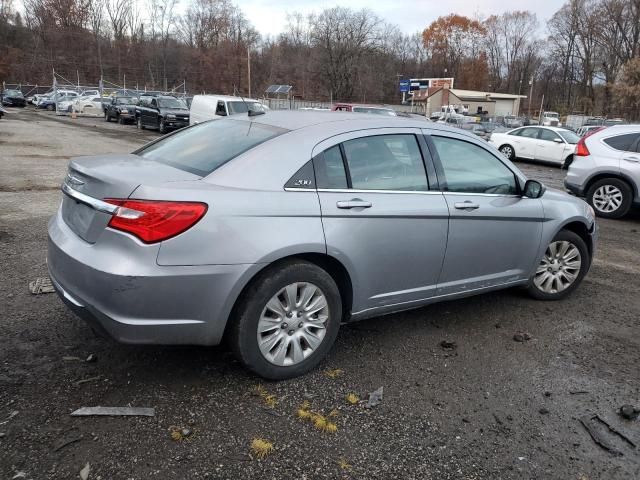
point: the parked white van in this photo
(208, 107)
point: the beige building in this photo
(493, 104)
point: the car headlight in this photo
(171, 117)
(124, 110)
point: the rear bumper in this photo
(121, 293)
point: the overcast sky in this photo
(270, 16)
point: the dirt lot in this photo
(492, 408)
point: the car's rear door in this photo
(524, 142)
(383, 217)
(494, 232)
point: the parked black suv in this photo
(122, 109)
(162, 112)
(13, 98)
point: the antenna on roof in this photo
(250, 113)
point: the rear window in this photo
(202, 148)
(622, 142)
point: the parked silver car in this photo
(272, 230)
(606, 170)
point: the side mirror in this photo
(533, 189)
(557, 140)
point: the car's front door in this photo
(494, 232)
(383, 217)
(550, 147)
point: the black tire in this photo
(508, 151)
(51, 108)
(622, 186)
(242, 333)
(107, 117)
(139, 123)
(121, 120)
(585, 257)
(162, 128)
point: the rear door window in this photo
(386, 162)
(622, 142)
(202, 148)
(330, 171)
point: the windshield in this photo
(202, 148)
(244, 107)
(375, 111)
(124, 100)
(551, 114)
(170, 102)
(13, 93)
(569, 136)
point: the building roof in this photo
(473, 94)
(469, 95)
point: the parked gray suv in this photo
(606, 170)
(270, 231)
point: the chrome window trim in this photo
(509, 195)
(354, 190)
(94, 203)
(295, 189)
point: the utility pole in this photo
(530, 96)
(249, 68)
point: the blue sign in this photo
(405, 85)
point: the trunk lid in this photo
(92, 179)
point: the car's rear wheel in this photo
(610, 197)
(562, 268)
(287, 320)
(508, 151)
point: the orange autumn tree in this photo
(454, 43)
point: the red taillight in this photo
(581, 149)
(153, 221)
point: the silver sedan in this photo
(272, 230)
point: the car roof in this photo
(297, 120)
(227, 97)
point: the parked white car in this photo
(90, 105)
(209, 107)
(546, 144)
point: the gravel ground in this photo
(490, 408)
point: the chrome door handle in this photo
(353, 203)
(466, 205)
(632, 158)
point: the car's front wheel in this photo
(107, 118)
(562, 268)
(610, 197)
(508, 151)
(162, 127)
(287, 320)
(139, 123)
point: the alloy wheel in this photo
(293, 324)
(607, 198)
(559, 267)
(507, 151)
